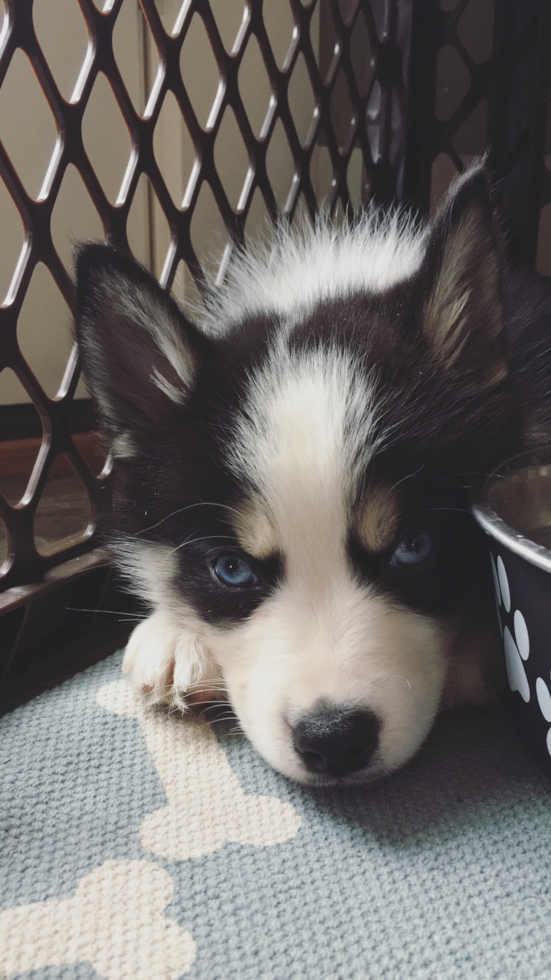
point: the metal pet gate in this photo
(383, 99)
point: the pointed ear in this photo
(140, 353)
(462, 319)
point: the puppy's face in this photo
(292, 496)
(329, 670)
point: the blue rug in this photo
(138, 846)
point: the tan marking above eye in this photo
(254, 529)
(377, 520)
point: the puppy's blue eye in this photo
(233, 570)
(412, 549)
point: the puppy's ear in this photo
(140, 353)
(462, 319)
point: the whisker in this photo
(224, 707)
(472, 473)
(219, 721)
(511, 459)
(109, 612)
(222, 703)
(394, 677)
(408, 477)
(206, 537)
(216, 684)
(236, 730)
(201, 503)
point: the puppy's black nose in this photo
(336, 742)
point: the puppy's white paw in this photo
(170, 664)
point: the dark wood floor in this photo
(63, 512)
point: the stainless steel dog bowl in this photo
(515, 511)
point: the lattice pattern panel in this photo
(291, 103)
(481, 79)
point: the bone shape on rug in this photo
(207, 806)
(114, 921)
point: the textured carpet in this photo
(140, 846)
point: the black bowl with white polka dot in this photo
(515, 512)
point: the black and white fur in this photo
(293, 474)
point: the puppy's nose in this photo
(335, 741)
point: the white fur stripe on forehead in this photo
(304, 437)
(302, 267)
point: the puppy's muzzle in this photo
(336, 741)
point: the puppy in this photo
(293, 474)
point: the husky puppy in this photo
(293, 474)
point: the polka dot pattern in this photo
(517, 648)
(503, 584)
(544, 698)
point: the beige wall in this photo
(28, 131)
(173, 147)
